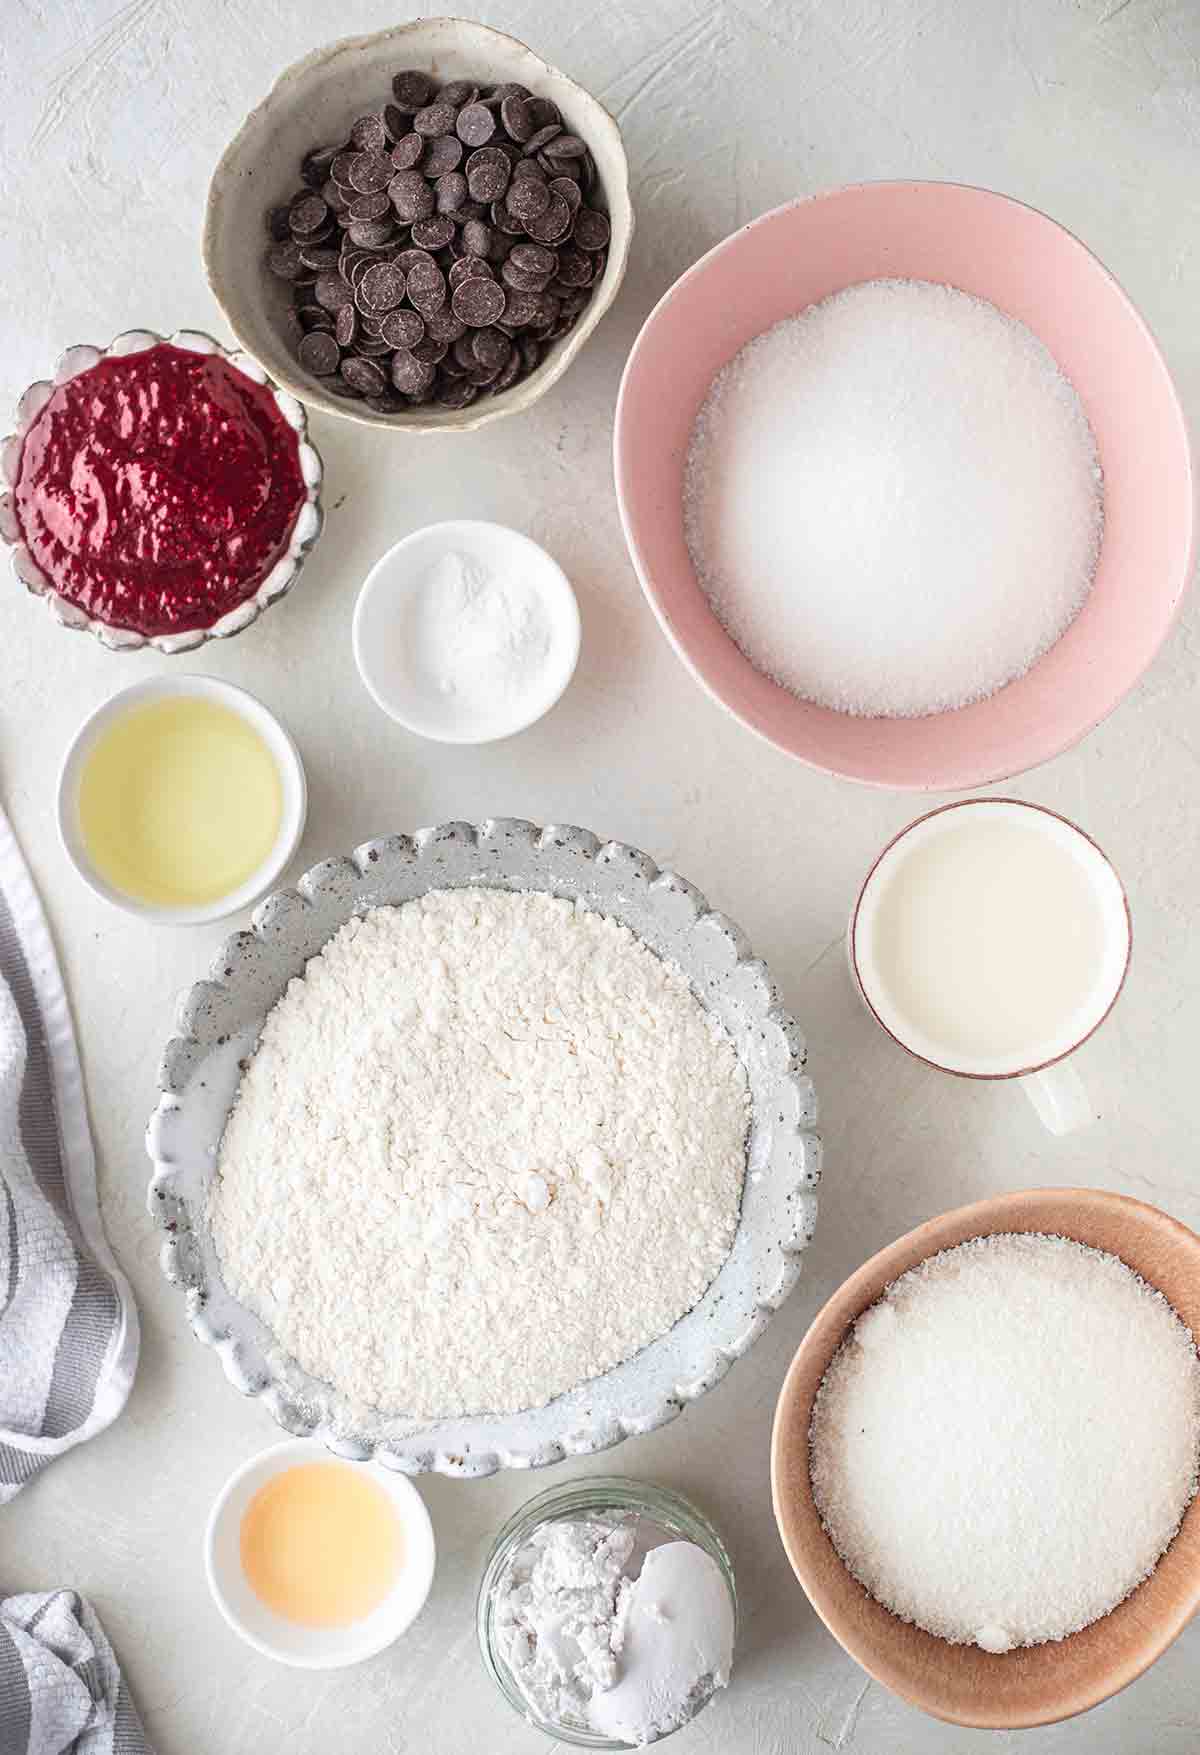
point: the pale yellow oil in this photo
(180, 802)
(321, 1544)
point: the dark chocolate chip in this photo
(345, 328)
(506, 221)
(450, 191)
(543, 111)
(369, 134)
(284, 260)
(410, 374)
(476, 237)
(435, 119)
(387, 403)
(426, 287)
(332, 292)
(413, 258)
(403, 329)
(407, 151)
(320, 257)
(319, 353)
(410, 195)
(381, 288)
(443, 325)
(541, 137)
(574, 267)
(369, 206)
(492, 349)
(370, 171)
(412, 89)
(435, 233)
(516, 117)
(553, 225)
(475, 125)
(307, 215)
(457, 395)
(466, 268)
(442, 155)
(478, 302)
(364, 375)
(277, 224)
(592, 229)
(488, 172)
(458, 92)
(372, 233)
(570, 191)
(564, 146)
(527, 198)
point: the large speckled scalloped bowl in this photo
(305, 531)
(219, 1024)
(317, 99)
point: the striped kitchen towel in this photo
(68, 1323)
(61, 1691)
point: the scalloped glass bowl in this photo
(305, 531)
(219, 1023)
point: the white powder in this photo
(475, 634)
(1007, 1441)
(893, 500)
(608, 1625)
(488, 1147)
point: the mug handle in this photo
(1059, 1097)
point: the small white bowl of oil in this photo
(316, 1561)
(181, 800)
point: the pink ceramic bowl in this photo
(1027, 265)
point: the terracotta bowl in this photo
(960, 1683)
(317, 99)
(1029, 267)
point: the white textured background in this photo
(111, 118)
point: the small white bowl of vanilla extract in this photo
(316, 1561)
(181, 800)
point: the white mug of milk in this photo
(990, 939)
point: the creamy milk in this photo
(991, 938)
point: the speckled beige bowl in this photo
(317, 99)
(1034, 1685)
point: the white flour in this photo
(608, 1624)
(489, 1146)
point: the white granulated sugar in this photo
(893, 500)
(608, 1625)
(1006, 1443)
(489, 1146)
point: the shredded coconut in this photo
(488, 1147)
(1007, 1441)
(893, 500)
(608, 1625)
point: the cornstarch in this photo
(893, 500)
(608, 1625)
(1005, 1444)
(488, 1147)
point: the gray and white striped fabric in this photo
(61, 1691)
(68, 1323)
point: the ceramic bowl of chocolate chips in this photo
(420, 228)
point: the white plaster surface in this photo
(111, 117)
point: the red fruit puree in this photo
(156, 491)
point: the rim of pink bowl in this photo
(965, 774)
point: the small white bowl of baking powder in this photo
(466, 632)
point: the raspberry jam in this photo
(156, 491)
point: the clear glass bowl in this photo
(578, 1499)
